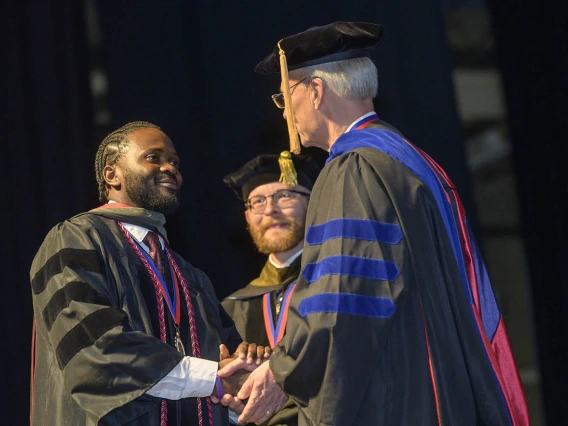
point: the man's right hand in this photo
(248, 356)
(253, 353)
(232, 384)
(236, 369)
(265, 396)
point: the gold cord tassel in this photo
(288, 175)
(292, 132)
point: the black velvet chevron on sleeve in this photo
(66, 257)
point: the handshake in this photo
(246, 384)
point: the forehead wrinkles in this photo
(159, 144)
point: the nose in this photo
(173, 171)
(271, 207)
(167, 167)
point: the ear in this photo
(111, 176)
(317, 92)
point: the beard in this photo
(293, 235)
(147, 195)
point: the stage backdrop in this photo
(188, 67)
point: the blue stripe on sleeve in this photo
(393, 145)
(342, 303)
(359, 229)
(352, 266)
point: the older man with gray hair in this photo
(390, 269)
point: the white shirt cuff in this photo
(191, 378)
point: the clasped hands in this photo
(248, 384)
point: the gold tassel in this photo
(292, 131)
(288, 175)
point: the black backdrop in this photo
(532, 45)
(187, 66)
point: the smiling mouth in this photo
(168, 183)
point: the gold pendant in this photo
(177, 342)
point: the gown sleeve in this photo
(86, 331)
(350, 288)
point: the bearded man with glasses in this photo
(275, 213)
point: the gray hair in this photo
(354, 79)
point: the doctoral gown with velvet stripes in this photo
(96, 350)
(245, 306)
(393, 321)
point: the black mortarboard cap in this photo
(266, 168)
(334, 42)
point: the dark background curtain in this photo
(532, 47)
(187, 66)
(45, 166)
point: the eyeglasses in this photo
(278, 98)
(283, 199)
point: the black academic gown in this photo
(381, 330)
(97, 346)
(245, 306)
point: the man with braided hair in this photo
(127, 331)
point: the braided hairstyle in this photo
(111, 149)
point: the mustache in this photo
(282, 221)
(166, 175)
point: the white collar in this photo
(139, 233)
(359, 119)
(288, 262)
